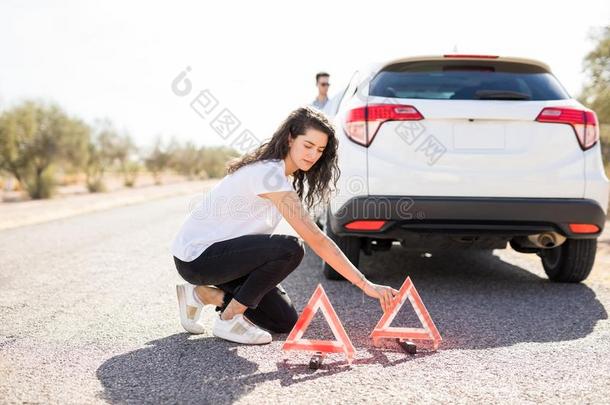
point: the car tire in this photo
(571, 262)
(349, 245)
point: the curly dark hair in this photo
(321, 174)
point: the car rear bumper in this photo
(467, 215)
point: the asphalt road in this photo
(88, 314)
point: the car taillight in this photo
(362, 124)
(584, 123)
(584, 228)
(365, 225)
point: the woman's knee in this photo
(288, 320)
(280, 313)
(294, 245)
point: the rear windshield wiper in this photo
(500, 95)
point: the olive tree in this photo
(35, 138)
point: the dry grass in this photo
(75, 185)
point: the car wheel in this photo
(349, 245)
(571, 262)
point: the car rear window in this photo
(467, 80)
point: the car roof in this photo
(512, 59)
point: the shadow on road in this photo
(180, 369)
(476, 300)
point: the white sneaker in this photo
(190, 308)
(240, 330)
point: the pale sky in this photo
(117, 59)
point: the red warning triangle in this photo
(428, 332)
(294, 341)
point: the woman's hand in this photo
(384, 293)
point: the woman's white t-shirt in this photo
(232, 208)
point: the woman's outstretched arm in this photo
(291, 208)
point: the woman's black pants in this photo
(249, 268)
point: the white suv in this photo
(473, 151)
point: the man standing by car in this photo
(321, 101)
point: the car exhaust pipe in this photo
(546, 240)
